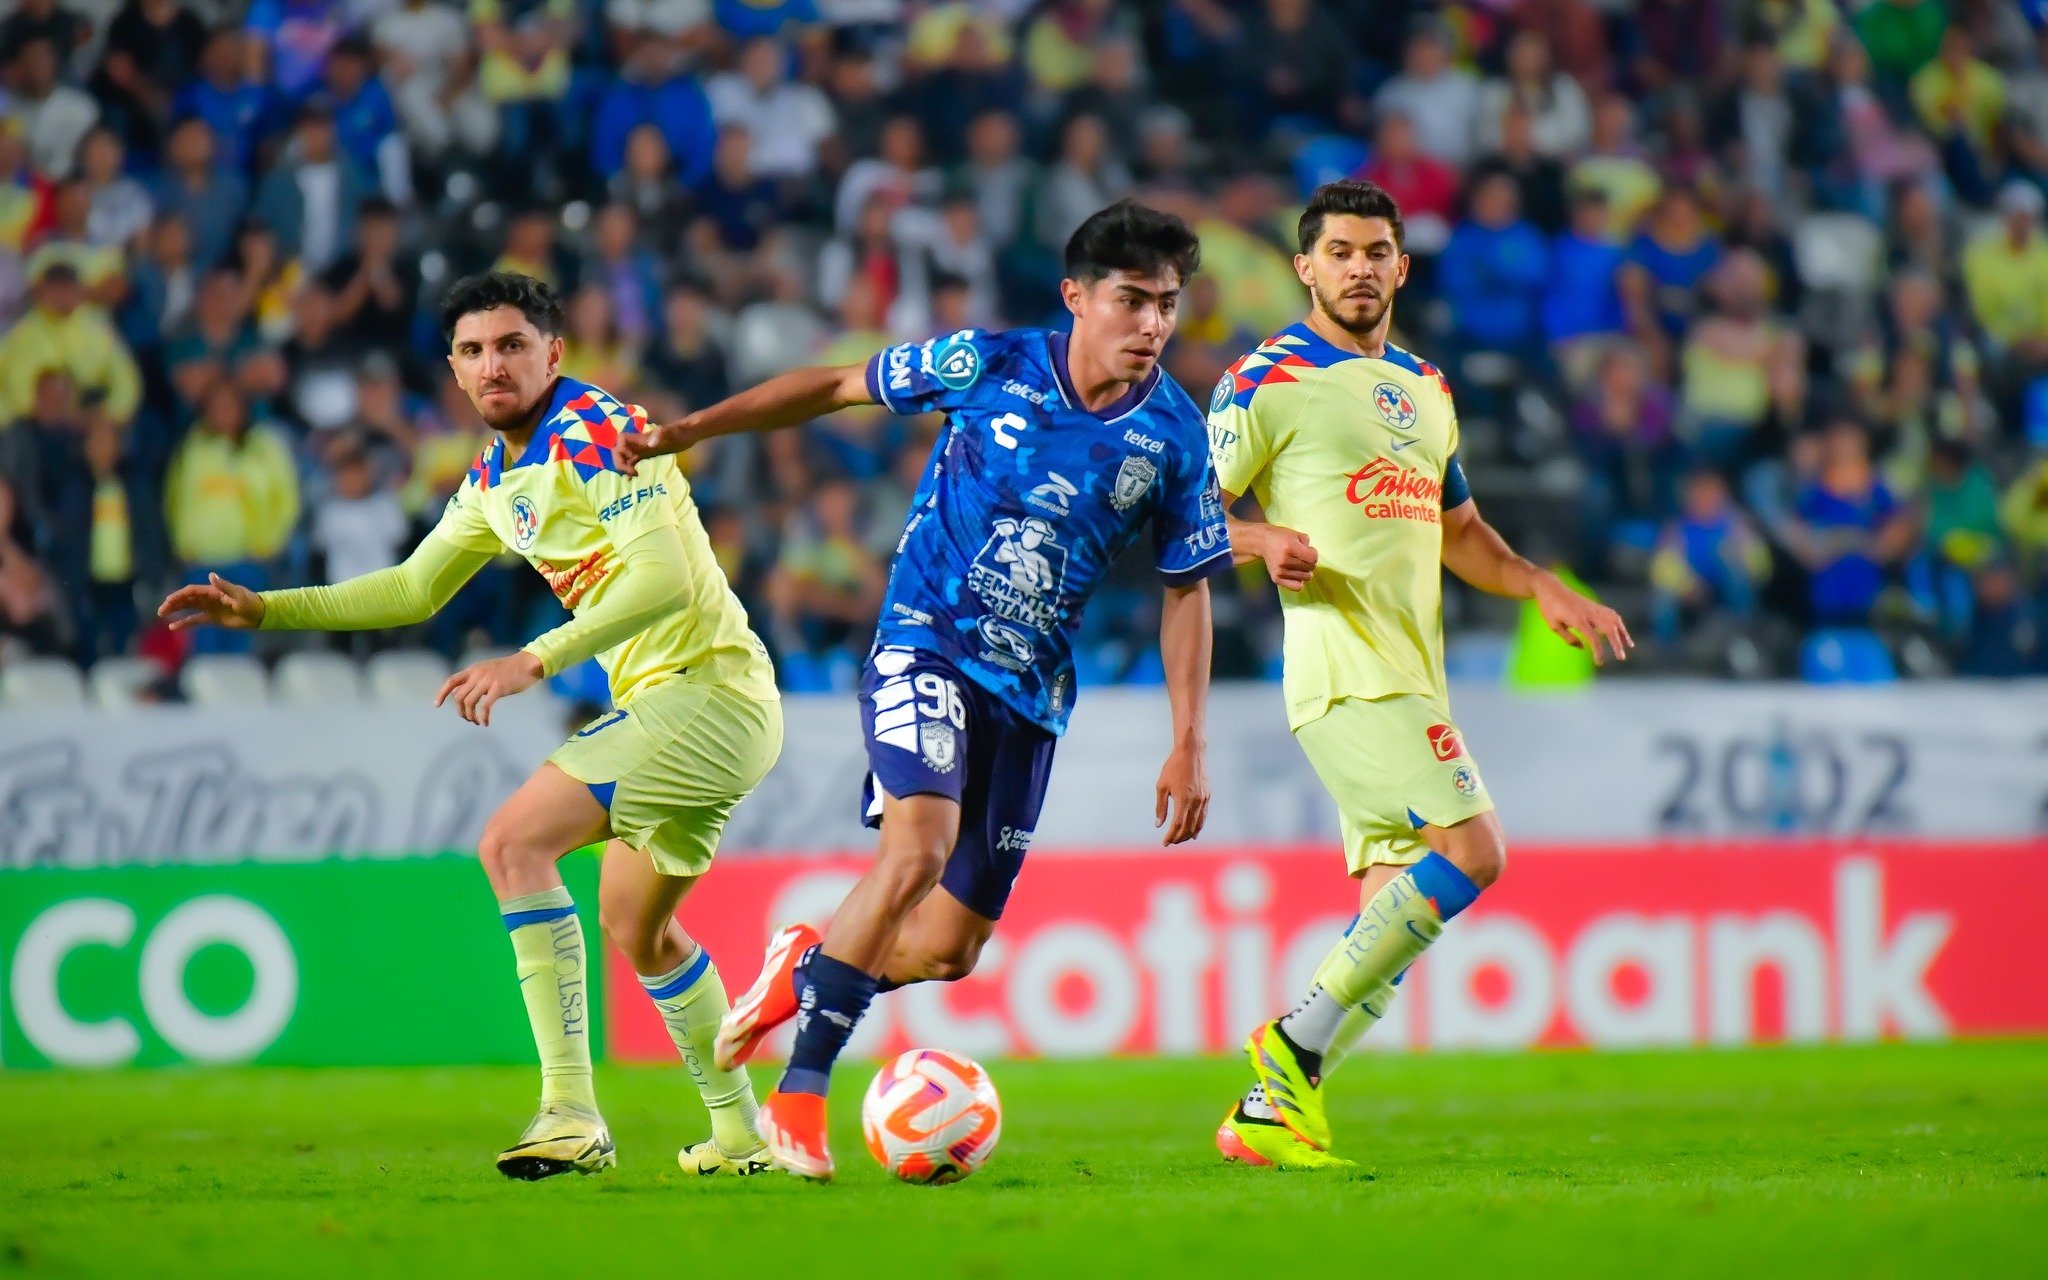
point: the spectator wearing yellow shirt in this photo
(2005, 272)
(1960, 99)
(60, 332)
(826, 588)
(106, 618)
(1260, 293)
(530, 247)
(231, 500)
(2023, 512)
(593, 349)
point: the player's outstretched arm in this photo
(1475, 551)
(1181, 799)
(1287, 554)
(399, 596)
(786, 400)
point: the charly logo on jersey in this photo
(1133, 481)
(1395, 405)
(525, 523)
(955, 362)
(1019, 572)
(1052, 496)
(1007, 646)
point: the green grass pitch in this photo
(1897, 1160)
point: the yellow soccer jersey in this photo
(1359, 454)
(564, 505)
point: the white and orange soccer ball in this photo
(931, 1117)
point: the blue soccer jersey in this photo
(1027, 501)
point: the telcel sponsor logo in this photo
(1143, 441)
(1024, 391)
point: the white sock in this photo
(1312, 1024)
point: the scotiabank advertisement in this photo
(1168, 952)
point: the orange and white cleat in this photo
(769, 1003)
(793, 1126)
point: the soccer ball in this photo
(931, 1117)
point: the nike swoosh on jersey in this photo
(1402, 444)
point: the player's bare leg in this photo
(550, 815)
(941, 941)
(637, 906)
(841, 978)
(918, 833)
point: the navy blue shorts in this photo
(933, 731)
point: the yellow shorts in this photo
(1392, 765)
(670, 766)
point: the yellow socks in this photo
(692, 1001)
(547, 941)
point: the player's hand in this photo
(476, 689)
(658, 439)
(1581, 622)
(218, 601)
(1289, 556)
(1182, 795)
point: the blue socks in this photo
(831, 997)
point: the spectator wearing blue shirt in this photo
(654, 89)
(1660, 283)
(238, 111)
(310, 196)
(745, 19)
(2005, 636)
(1847, 529)
(1493, 271)
(1581, 306)
(1709, 559)
(207, 195)
(299, 34)
(629, 275)
(739, 203)
(364, 122)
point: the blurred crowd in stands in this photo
(1745, 302)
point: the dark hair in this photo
(1351, 197)
(375, 207)
(1128, 236)
(494, 289)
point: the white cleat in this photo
(563, 1138)
(706, 1160)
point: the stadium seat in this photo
(41, 683)
(405, 677)
(1838, 251)
(117, 683)
(316, 679)
(1845, 655)
(225, 680)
